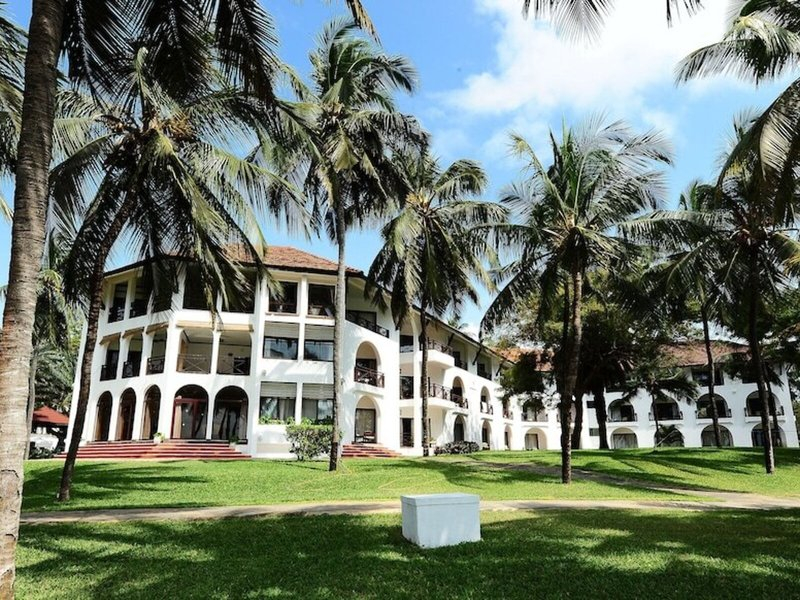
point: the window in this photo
(406, 343)
(280, 348)
(286, 300)
(319, 350)
(700, 376)
(318, 411)
(194, 297)
(321, 300)
(594, 432)
(117, 310)
(274, 408)
(241, 300)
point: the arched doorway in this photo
(621, 411)
(704, 407)
(190, 413)
(368, 366)
(230, 414)
(457, 392)
(535, 439)
(459, 429)
(507, 438)
(707, 436)
(668, 436)
(366, 421)
(127, 411)
(102, 425)
(486, 435)
(151, 411)
(757, 435)
(623, 438)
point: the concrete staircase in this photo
(368, 451)
(167, 450)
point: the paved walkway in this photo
(710, 501)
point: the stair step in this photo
(167, 450)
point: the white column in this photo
(112, 428)
(298, 404)
(138, 414)
(302, 309)
(211, 391)
(124, 346)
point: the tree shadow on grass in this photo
(552, 554)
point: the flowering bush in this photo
(458, 448)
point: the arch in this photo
(704, 407)
(189, 413)
(366, 421)
(458, 392)
(622, 437)
(508, 437)
(459, 429)
(486, 435)
(151, 412)
(667, 410)
(753, 404)
(127, 411)
(669, 436)
(102, 425)
(707, 436)
(486, 400)
(230, 414)
(757, 436)
(368, 365)
(535, 439)
(621, 411)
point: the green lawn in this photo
(130, 484)
(735, 470)
(134, 484)
(555, 554)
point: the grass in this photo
(493, 475)
(733, 470)
(549, 554)
(132, 484)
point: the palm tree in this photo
(92, 40)
(345, 161)
(748, 227)
(168, 179)
(584, 18)
(434, 247)
(564, 224)
(660, 385)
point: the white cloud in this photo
(538, 70)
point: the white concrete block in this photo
(436, 520)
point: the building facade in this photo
(167, 366)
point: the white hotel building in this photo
(166, 366)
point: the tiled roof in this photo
(50, 416)
(688, 354)
(287, 257)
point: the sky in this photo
(485, 71)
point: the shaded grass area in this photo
(733, 469)
(549, 554)
(138, 484)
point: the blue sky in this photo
(484, 71)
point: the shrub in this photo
(270, 421)
(40, 452)
(458, 448)
(309, 440)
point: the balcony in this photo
(155, 365)
(486, 408)
(458, 399)
(751, 411)
(131, 368)
(233, 365)
(539, 416)
(668, 416)
(369, 376)
(631, 417)
(194, 363)
(108, 372)
(438, 391)
(705, 413)
(359, 319)
(482, 372)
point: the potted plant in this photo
(233, 440)
(158, 437)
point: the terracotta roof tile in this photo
(288, 257)
(50, 416)
(688, 354)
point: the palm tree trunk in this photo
(601, 413)
(571, 374)
(31, 402)
(340, 312)
(423, 341)
(92, 320)
(655, 418)
(755, 352)
(27, 246)
(774, 412)
(710, 359)
(578, 429)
